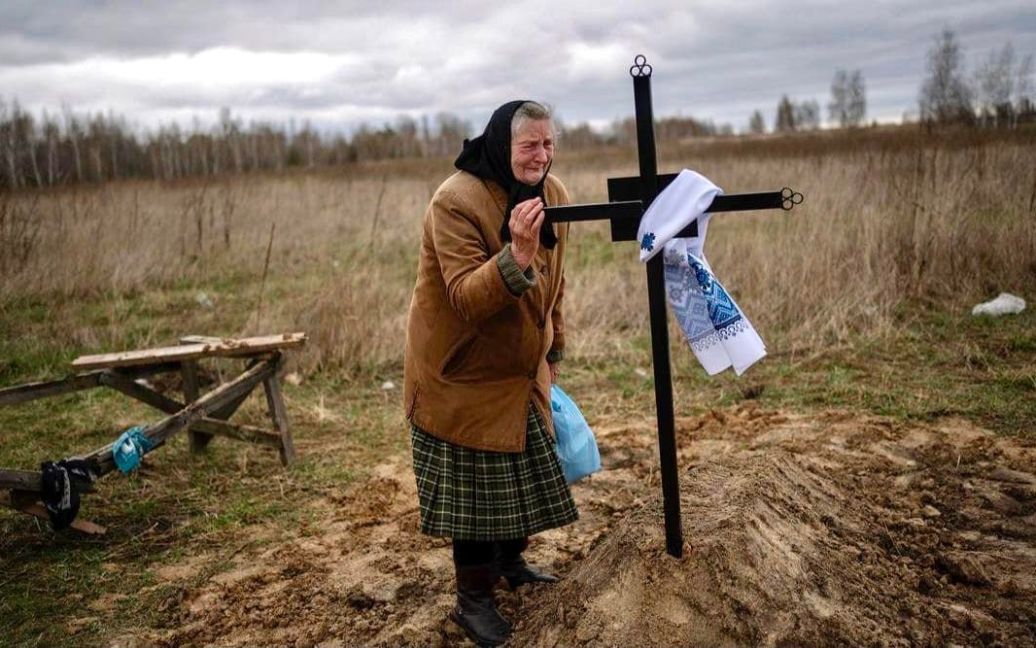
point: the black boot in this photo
(514, 568)
(476, 611)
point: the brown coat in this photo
(476, 353)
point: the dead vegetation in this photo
(943, 220)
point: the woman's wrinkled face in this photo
(532, 149)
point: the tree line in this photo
(997, 93)
(68, 148)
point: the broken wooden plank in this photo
(224, 348)
(32, 391)
(214, 400)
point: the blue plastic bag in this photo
(576, 445)
(129, 448)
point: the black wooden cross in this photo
(628, 199)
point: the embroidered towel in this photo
(717, 330)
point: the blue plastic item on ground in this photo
(129, 448)
(575, 442)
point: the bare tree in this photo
(1024, 108)
(52, 136)
(24, 139)
(857, 99)
(807, 115)
(451, 133)
(74, 132)
(994, 84)
(757, 123)
(848, 105)
(945, 94)
(784, 122)
(8, 147)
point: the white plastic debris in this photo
(388, 385)
(1004, 304)
(293, 378)
(203, 300)
(641, 372)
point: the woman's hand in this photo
(526, 220)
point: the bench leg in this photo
(189, 373)
(275, 401)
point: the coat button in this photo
(542, 324)
(532, 375)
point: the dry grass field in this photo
(945, 222)
(862, 294)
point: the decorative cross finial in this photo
(640, 67)
(790, 198)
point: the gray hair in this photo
(531, 111)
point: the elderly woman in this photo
(484, 338)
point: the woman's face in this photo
(532, 149)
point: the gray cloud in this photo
(339, 63)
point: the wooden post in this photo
(278, 413)
(189, 373)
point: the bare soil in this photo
(825, 529)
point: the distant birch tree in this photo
(945, 93)
(848, 105)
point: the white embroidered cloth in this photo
(717, 330)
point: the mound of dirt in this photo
(783, 549)
(777, 554)
(822, 529)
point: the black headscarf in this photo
(488, 156)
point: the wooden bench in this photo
(203, 416)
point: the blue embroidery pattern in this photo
(722, 310)
(703, 308)
(648, 241)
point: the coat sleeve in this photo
(475, 287)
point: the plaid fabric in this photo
(478, 495)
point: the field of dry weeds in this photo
(942, 221)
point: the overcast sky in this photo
(342, 63)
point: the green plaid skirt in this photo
(479, 495)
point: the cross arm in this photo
(624, 215)
(622, 210)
